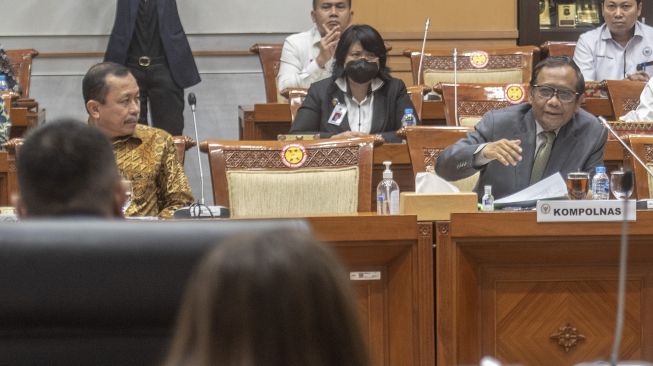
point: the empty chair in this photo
(269, 56)
(558, 48)
(425, 143)
(624, 95)
(474, 100)
(642, 145)
(487, 65)
(296, 178)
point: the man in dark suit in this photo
(517, 146)
(148, 37)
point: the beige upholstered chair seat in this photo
(260, 193)
(291, 178)
(467, 184)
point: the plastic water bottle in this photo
(409, 118)
(4, 87)
(601, 184)
(487, 202)
(387, 193)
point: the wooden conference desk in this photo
(397, 315)
(514, 289)
(8, 179)
(267, 120)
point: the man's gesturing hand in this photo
(505, 151)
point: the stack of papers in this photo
(553, 187)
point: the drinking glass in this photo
(129, 192)
(578, 185)
(617, 187)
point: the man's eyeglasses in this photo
(547, 92)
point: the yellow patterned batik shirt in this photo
(149, 159)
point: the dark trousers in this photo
(162, 95)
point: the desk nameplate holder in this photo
(584, 211)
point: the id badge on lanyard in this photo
(338, 114)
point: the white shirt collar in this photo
(377, 83)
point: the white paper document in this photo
(551, 187)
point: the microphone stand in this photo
(421, 56)
(625, 145)
(199, 158)
(455, 86)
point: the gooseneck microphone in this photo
(455, 86)
(627, 184)
(625, 145)
(192, 102)
(199, 209)
(421, 56)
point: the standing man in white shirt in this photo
(613, 50)
(307, 57)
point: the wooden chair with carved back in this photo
(296, 178)
(269, 55)
(295, 98)
(474, 100)
(624, 95)
(183, 144)
(642, 145)
(506, 65)
(425, 143)
(557, 48)
(416, 93)
(21, 62)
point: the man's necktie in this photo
(542, 156)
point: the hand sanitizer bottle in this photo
(387, 193)
(487, 202)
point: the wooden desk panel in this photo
(506, 285)
(396, 312)
(8, 179)
(4, 179)
(22, 119)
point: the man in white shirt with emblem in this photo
(613, 50)
(307, 57)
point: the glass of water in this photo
(129, 192)
(617, 186)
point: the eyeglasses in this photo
(367, 57)
(547, 92)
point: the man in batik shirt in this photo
(145, 155)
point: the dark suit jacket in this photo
(389, 103)
(177, 50)
(579, 145)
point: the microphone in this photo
(421, 56)
(627, 183)
(455, 86)
(192, 101)
(625, 145)
(199, 209)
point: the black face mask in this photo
(361, 71)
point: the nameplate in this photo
(365, 276)
(584, 211)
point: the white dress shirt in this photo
(298, 67)
(360, 113)
(602, 58)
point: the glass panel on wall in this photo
(568, 14)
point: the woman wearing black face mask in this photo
(361, 97)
